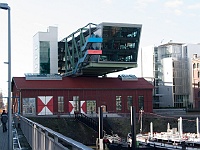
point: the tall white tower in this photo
(45, 51)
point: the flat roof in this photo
(81, 83)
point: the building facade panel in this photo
(114, 101)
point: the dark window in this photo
(44, 57)
(141, 102)
(194, 66)
(76, 103)
(60, 104)
(120, 44)
(129, 102)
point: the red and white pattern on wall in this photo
(45, 105)
(83, 107)
(71, 107)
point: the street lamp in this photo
(10, 139)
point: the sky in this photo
(162, 21)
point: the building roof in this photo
(81, 83)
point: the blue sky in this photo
(162, 20)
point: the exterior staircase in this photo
(94, 123)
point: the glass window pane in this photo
(118, 103)
(60, 104)
(91, 106)
(29, 106)
(141, 102)
(76, 103)
(44, 57)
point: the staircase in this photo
(93, 123)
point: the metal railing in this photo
(42, 138)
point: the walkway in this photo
(3, 139)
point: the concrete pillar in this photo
(151, 129)
(180, 127)
(168, 127)
(197, 122)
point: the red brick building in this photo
(80, 94)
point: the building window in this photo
(141, 102)
(198, 84)
(198, 74)
(44, 57)
(29, 106)
(199, 94)
(91, 107)
(76, 103)
(197, 65)
(60, 104)
(118, 103)
(129, 102)
(194, 66)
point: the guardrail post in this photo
(56, 139)
(45, 139)
(34, 138)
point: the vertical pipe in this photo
(10, 147)
(151, 129)
(133, 127)
(141, 121)
(100, 128)
(197, 123)
(181, 127)
(168, 127)
(100, 123)
(141, 64)
(90, 30)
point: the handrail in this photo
(79, 30)
(40, 137)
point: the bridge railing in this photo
(41, 138)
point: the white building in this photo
(168, 67)
(45, 51)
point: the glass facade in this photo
(120, 44)
(177, 56)
(113, 47)
(44, 57)
(61, 57)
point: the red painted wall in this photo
(102, 96)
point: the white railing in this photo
(42, 138)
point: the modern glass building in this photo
(167, 67)
(174, 75)
(96, 50)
